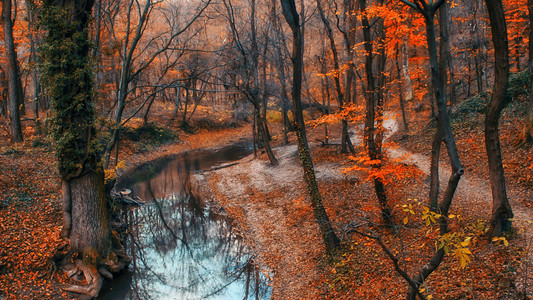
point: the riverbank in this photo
(30, 209)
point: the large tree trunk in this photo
(68, 75)
(331, 241)
(501, 210)
(15, 95)
(89, 228)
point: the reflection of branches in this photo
(162, 217)
(238, 274)
(206, 263)
(139, 255)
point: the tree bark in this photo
(69, 77)
(526, 135)
(444, 50)
(405, 72)
(90, 227)
(15, 96)
(331, 241)
(501, 209)
(373, 132)
(280, 67)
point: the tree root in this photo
(525, 137)
(95, 269)
(94, 281)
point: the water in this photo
(181, 247)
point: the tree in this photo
(501, 209)
(375, 83)
(137, 42)
(428, 10)
(346, 143)
(526, 135)
(331, 241)
(68, 75)
(280, 46)
(250, 74)
(15, 94)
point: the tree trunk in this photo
(69, 79)
(444, 131)
(262, 132)
(479, 75)
(527, 132)
(444, 50)
(280, 67)
(400, 88)
(324, 91)
(346, 143)
(34, 59)
(262, 129)
(331, 241)
(90, 227)
(15, 96)
(434, 184)
(405, 72)
(373, 132)
(145, 116)
(501, 210)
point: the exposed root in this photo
(526, 137)
(94, 281)
(95, 269)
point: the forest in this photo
(266, 149)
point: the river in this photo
(182, 246)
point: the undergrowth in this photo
(149, 136)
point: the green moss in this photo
(473, 105)
(68, 77)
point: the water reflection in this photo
(181, 247)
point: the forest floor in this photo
(270, 206)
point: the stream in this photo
(182, 247)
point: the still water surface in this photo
(183, 248)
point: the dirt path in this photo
(472, 189)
